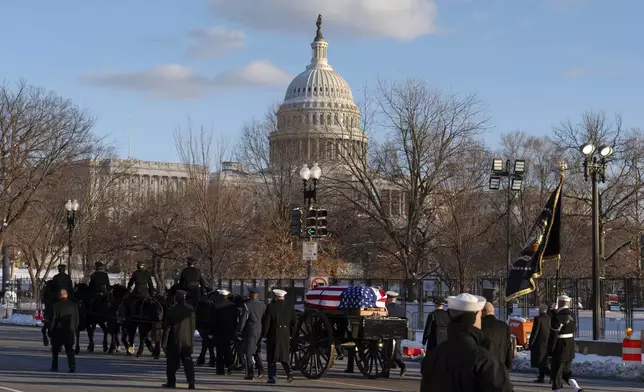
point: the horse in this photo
(95, 311)
(205, 323)
(144, 314)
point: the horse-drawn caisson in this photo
(352, 318)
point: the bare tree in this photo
(428, 133)
(41, 133)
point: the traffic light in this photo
(311, 222)
(320, 225)
(296, 222)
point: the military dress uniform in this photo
(62, 281)
(142, 281)
(435, 331)
(224, 331)
(278, 324)
(250, 328)
(99, 281)
(192, 282)
(563, 346)
(178, 339)
(62, 331)
(395, 310)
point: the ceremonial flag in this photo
(543, 244)
(346, 297)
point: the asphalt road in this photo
(25, 363)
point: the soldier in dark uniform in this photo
(250, 329)
(142, 281)
(395, 310)
(563, 345)
(435, 331)
(462, 363)
(62, 281)
(178, 339)
(192, 282)
(62, 330)
(278, 324)
(226, 316)
(538, 343)
(99, 281)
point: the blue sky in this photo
(222, 62)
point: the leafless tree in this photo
(428, 132)
(41, 133)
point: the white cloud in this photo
(215, 42)
(398, 19)
(173, 81)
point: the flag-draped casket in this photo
(346, 297)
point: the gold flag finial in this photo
(563, 166)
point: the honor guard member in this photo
(435, 331)
(250, 329)
(395, 310)
(178, 339)
(192, 282)
(99, 281)
(226, 316)
(278, 324)
(563, 345)
(62, 281)
(142, 281)
(498, 334)
(462, 363)
(62, 330)
(538, 343)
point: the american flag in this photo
(346, 297)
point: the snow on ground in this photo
(21, 319)
(589, 365)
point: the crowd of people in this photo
(468, 348)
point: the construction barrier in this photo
(632, 351)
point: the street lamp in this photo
(515, 181)
(72, 208)
(310, 192)
(595, 169)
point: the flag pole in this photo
(562, 171)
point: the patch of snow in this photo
(21, 319)
(589, 365)
(411, 344)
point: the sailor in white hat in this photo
(564, 325)
(278, 323)
(395, 310)
(462, 362)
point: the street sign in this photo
(309, 250)
(318, 281)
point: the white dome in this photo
(319, 82)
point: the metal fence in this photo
(622, 299)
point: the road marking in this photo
(367, 387)
(9, 389)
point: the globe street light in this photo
(595, 169)
(310, 192)
(72, 208)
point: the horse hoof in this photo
(130, 350)
(105, 348)
(201, 361)
(90, 349)
(77, 351)
(157, 356)
(138, 355)
(110, 351)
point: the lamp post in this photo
(595, 169)
(72, 208)
(310, 195)
(514, 177)
(310, 192)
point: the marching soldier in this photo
(142, 281)
(435, 331)
(462, 363)
(250, 328)
(62, 281)
(192, 282)
(395, 310)
(99, 281)
(278, 324)
(498, 334)
(178, 340)
(62, 330)
(538, 343)
(563, 345)
(226, 316)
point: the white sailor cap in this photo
(466, 302)
(223, 292)
(392, 294)
(563, 298)
(279, 292)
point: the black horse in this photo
(146, 316)
(96, 311)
